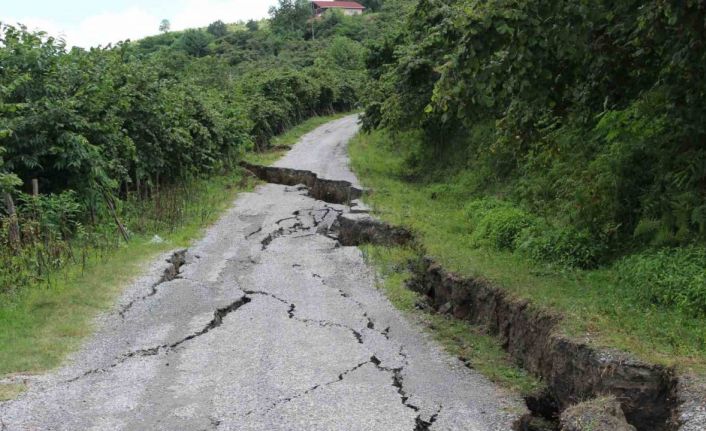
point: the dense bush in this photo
(496, 224)
(672, 276)
(564, 246)
(596, 109)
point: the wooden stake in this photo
(35, 187)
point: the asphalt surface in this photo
(271, 325)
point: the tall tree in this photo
(218, 28)
(252, 25)
(291, 16)
(164, 26)
(195, 42)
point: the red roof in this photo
(338, 4)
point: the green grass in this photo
(461, 339)
(282, 143)
(9, 391)
(595, 305)
(42, 324)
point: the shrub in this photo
(498, 224)
(476, 209)
(565, 246)
(673, 277)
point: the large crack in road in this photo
(267, 323)
(217, 320)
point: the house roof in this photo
(327, 4)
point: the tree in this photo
(218, 28)
(194, 42)
(291, 16)
(371, 5)
(164, 26)
(252, 25)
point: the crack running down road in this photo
(270, 324)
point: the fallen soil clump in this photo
(599, 414)
(357, 229)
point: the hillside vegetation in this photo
(115, 134)
(556, 147)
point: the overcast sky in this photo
(92, 22)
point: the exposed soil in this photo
(572, 370)
(357, 229)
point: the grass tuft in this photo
(9, 391)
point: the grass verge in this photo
(461, 339)
(594, 303)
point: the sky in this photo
(89, 23)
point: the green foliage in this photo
(113, 128)
(371, 5)
(8, 181)
(496, 224)
(252, 25)
(283, 99)
(500, 225)
(56, 216)
(344, 54)
(290, 17)
(194, 42)
(217, 28)
(596, 110)
(164, 26)
(669, 277)
(564, 246)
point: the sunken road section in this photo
(331, 191)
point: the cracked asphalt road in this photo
(270, 325)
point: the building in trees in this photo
(347, 7)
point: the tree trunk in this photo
(111, 208)
(13, 234)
